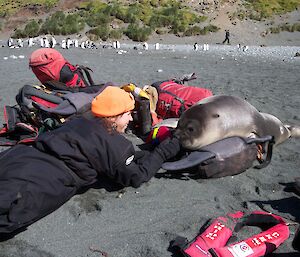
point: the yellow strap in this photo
(42, 87)
(39, 86)
(154, 134)
(132, 88)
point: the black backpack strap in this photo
(176, 97)
(16, 131)
(95, 88)
(11, 117)
(265, 162)
(259, 139)
(267, 144)
(257, 220)
(60, 86)
(85, 74)
(158, 88)
(178, 244)
(185, 77)
(192, 159)
(84, 79)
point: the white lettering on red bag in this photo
(214, 234)
(266, 238)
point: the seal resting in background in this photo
(218, 117)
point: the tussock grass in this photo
(10, 7)
(263, 9)
(285, 27)
(136, 19)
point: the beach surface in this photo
(114, 222)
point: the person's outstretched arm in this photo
(143, 165)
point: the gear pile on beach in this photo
(67, 91)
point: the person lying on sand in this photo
(34, 181)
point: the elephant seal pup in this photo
(218, 117)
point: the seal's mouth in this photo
(187, 133)
(189, 146)
(186, 141)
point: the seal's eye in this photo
(216, 115)
(190, 129)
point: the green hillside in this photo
(137, 20)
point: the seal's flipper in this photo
(191, 160)
(294, 130)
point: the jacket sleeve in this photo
(141, 166)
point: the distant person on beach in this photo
(196, 47)
(35, 181)
(227, 35)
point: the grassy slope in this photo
(225, 16)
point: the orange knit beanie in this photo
(112, 101)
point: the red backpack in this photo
(213, 241)
(175, 98)
(48, 64)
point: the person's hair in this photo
(107, 122)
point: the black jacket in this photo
(90, 151)
(34, 181)
(32, 185)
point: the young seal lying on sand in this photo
(218, 117)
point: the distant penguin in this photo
(145, 46)
(10, 42)
(116, 44)
(53, 42)
(30, 42)
(245, 48)
(69, 43)
(156, 46)
(46, 43)
(63, 44)
(20, 42)
(42, 44)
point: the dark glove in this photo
(169, 148)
